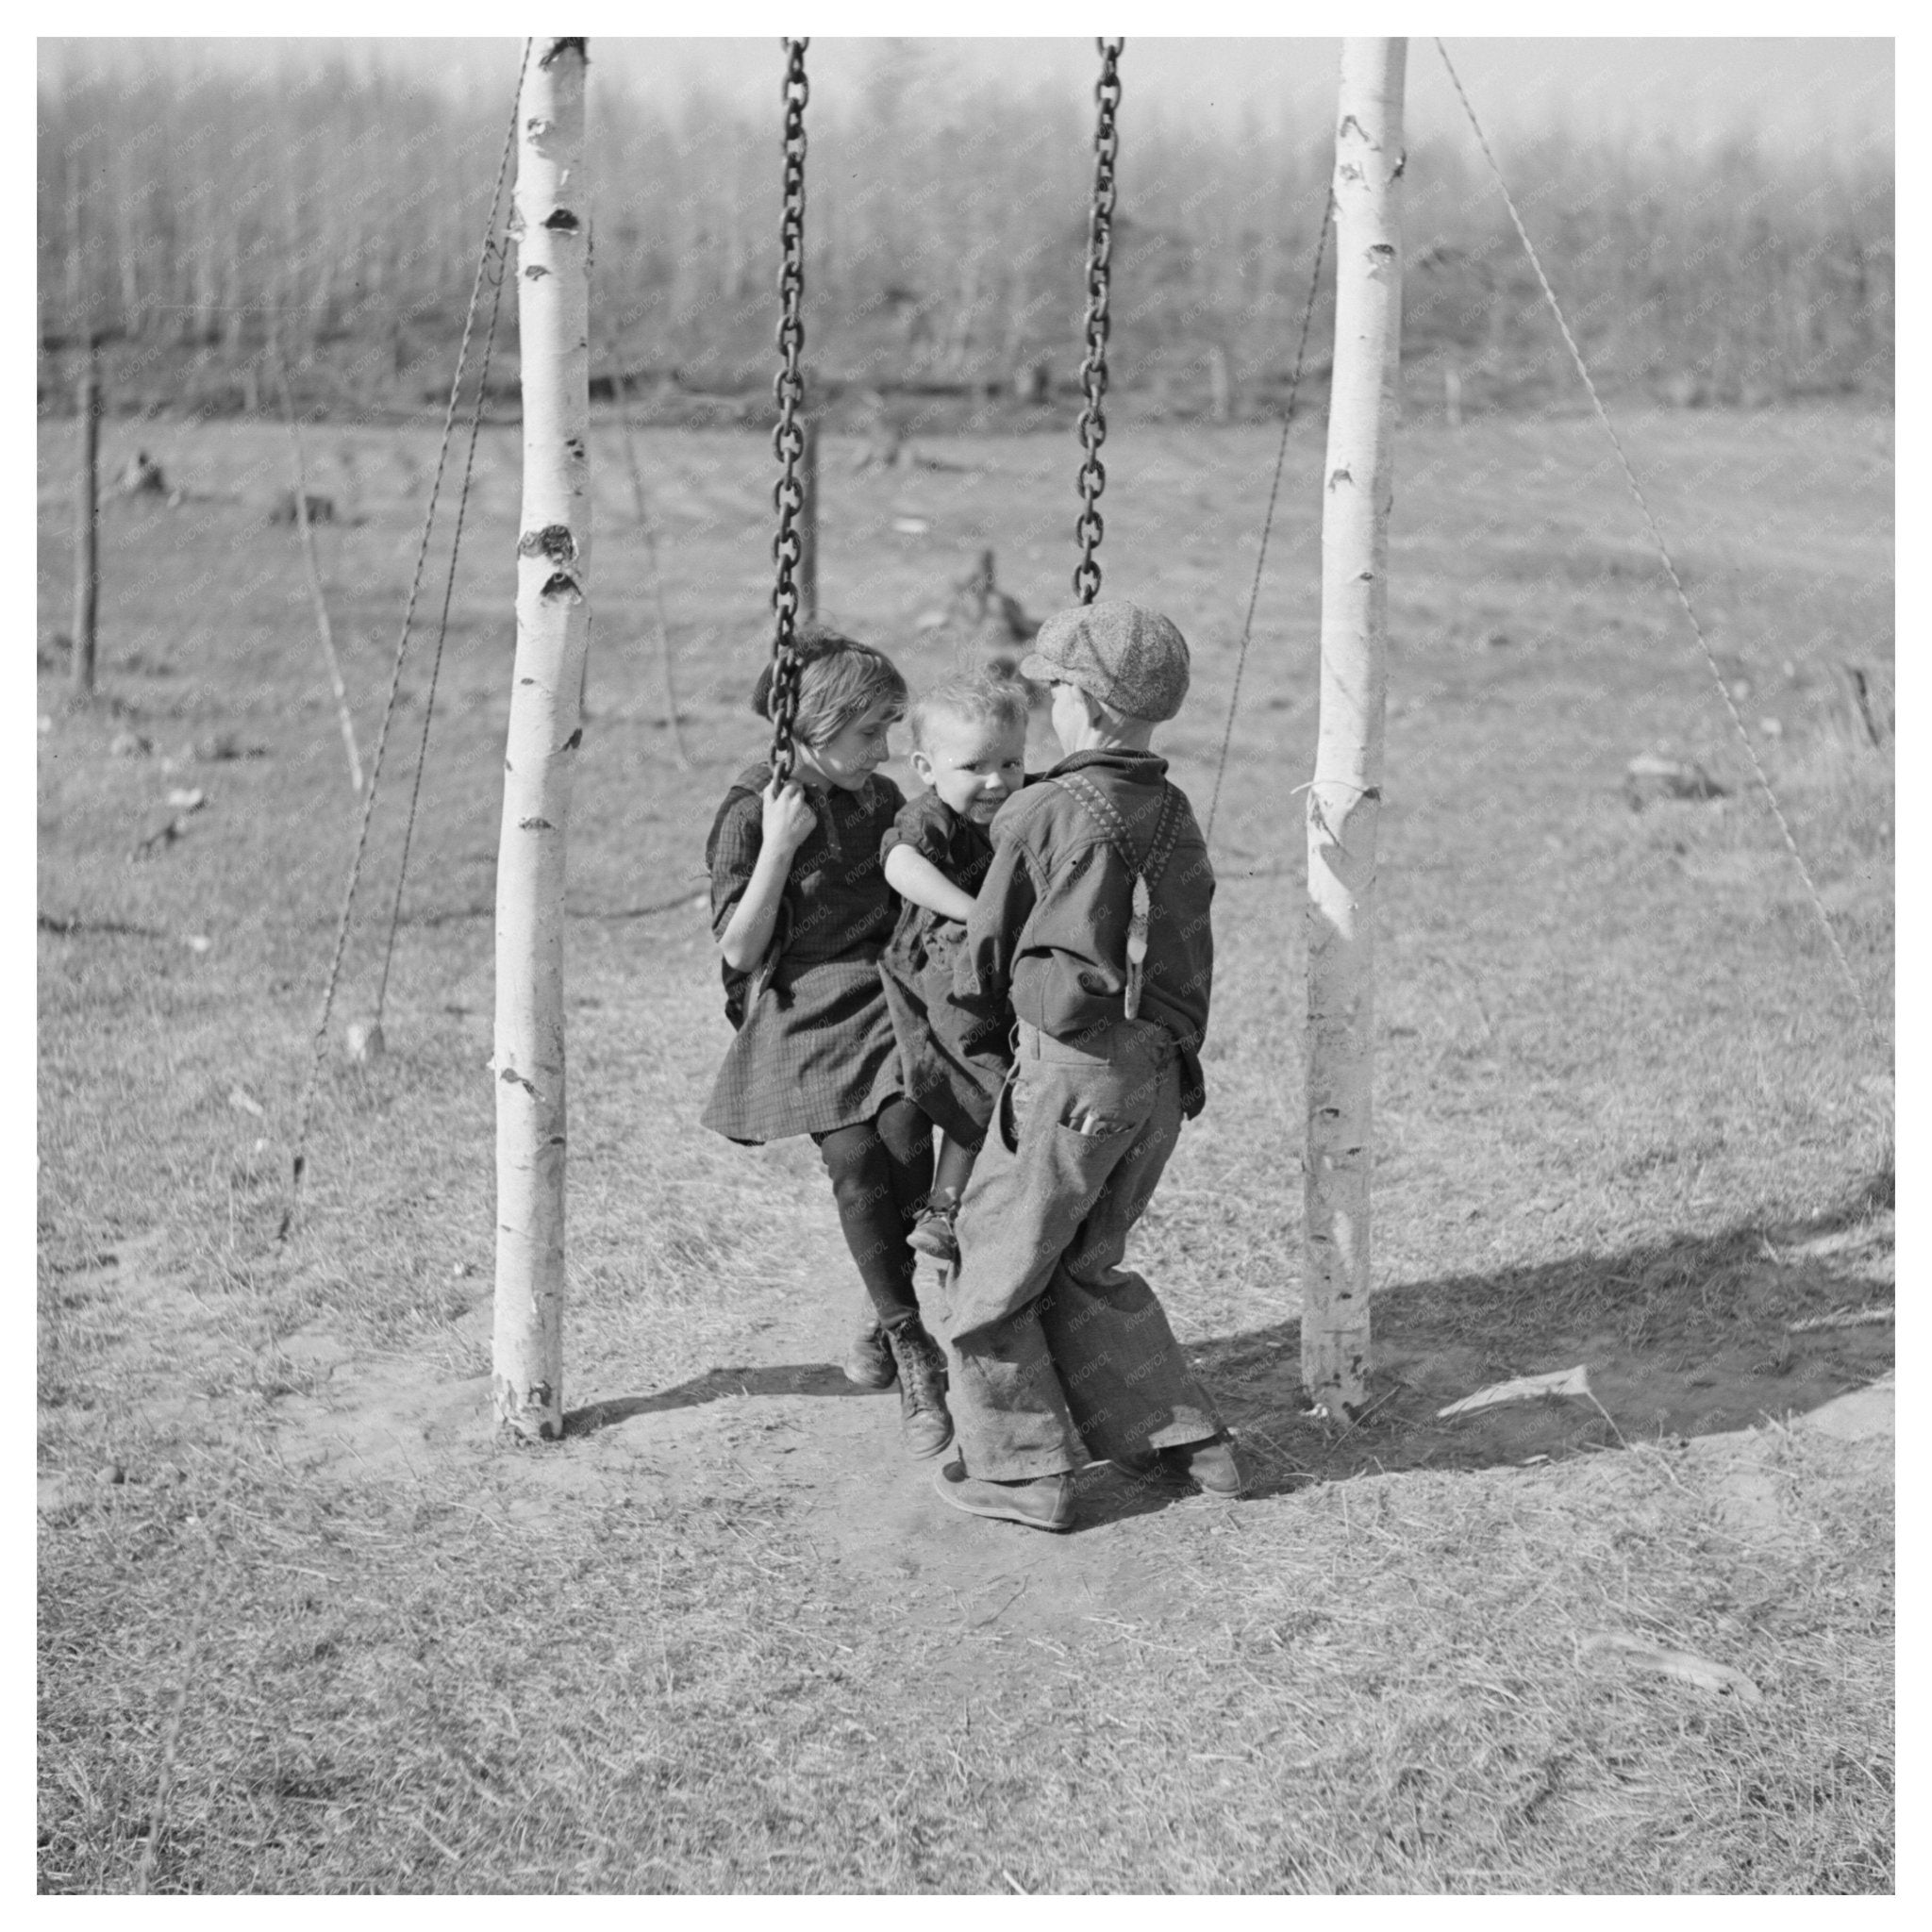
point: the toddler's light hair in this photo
(977, 697)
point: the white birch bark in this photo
(551, 221)
(1344, 800)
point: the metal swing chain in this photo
(787, 439)
(1107, 146)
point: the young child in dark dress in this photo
(801, 912)
(969, 745)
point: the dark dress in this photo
(954, 1059)
(814, 1049)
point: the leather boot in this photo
(935, 1234)
(924, 1426)
(869, 1361)
(1211, 1465)
(1044, 1502)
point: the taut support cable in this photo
(1838, 951)
(306, 1107)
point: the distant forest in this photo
(206, 227)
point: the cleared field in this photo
(718, 1639)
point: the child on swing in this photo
(969, 745)
(1093, 926)
(801, 912)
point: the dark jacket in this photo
(953, 1057)
(1049, 931)
(960, 850)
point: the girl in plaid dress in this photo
(801, 912)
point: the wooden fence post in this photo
(551, 221)
(87, 497)
(1344, 799)
(317, 595)
(648, 530)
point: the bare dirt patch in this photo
(781, 1417)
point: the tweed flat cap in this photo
(1133, 659)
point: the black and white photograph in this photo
(965, 966)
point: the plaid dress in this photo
(954, 1057)
(814, 1049)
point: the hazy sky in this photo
(1795, 91)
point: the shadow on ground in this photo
(1680, 1338)
(787, 1378)
(1684, 1336)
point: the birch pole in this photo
(1344, 799)
(550, 219)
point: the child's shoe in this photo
(933, 1234)
(869, 1361)
(1045, 1502)
(1209, 1465)
(924, 1426)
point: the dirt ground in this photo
(779, 1422)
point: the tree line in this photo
(208, 229)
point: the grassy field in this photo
(306, 1627)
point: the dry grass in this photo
(1621, 1120)
(1380, 1689)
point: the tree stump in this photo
(887, 443)
(363, 1041)
(985, 627)
(322, 509)
(1220, 383)
(141, 476)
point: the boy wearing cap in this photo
(1093, 926)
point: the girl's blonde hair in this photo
(840, 679)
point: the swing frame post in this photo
(550, 219)
(1344, 799)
